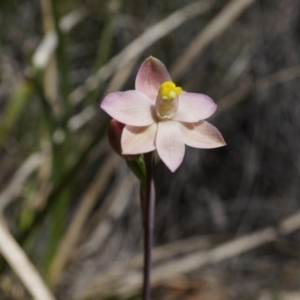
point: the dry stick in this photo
(135, 48)
(211, 32)
(24, 269)
(131, 281)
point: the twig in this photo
(24, 269)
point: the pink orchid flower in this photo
(159, 115)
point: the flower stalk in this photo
(147, 195)
(142, 167)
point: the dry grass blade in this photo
(14, 108)
(195, 261)
(47, 46)
(290, 224)
(71, 237)
(24, 269)
(282, 295)
(241, 93)
(182, 247)
(111, 210)
(44, 51)
(278, 78)
(119, 79)
(50, 76)
(116, 83)
(14, 187)
(78, 121)
(248, 86)
(134, 49)
(69, 21)
(212, 31)
(129, 282)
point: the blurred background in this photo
(227, 222)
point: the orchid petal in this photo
(136, 140)
(150, 76)
(130, 107)
(194, 107)
(201, 135)
(169, 144)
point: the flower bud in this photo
(115, 129)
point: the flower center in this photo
(167, 100)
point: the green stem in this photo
(63, 59)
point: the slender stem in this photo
(148, 208)
(62, 58)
